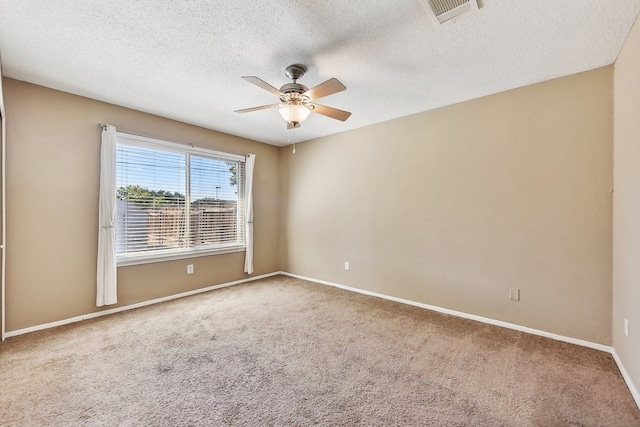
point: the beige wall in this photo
(52, 199)
(626, 206)
(452, 207)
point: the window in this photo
(176, 201)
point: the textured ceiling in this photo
(184, 59)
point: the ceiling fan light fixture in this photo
(294, 113)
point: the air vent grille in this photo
(446, 10)
(443, 6)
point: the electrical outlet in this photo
(626, 328)
(346, 265)
(514, 294)
(190, 269)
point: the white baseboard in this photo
(583, 343)
(627, 378)
(490, 321)
(132, 306)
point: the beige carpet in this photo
(287, 352)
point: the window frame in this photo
(182, 253)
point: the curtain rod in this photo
(140, 134)
(189, 144)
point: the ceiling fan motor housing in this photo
(293, 88)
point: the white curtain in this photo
(107, 269)
(248, 233)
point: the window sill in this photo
(153, 258)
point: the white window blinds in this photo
(176, 200)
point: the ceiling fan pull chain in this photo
(294, 141)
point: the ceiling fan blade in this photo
(262, 107)
(264, 85)
(327, 88)
(334, 113)
(292, 125)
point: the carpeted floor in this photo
(282, 351)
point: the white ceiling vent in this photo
(442, 11)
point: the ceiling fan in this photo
(296, 101)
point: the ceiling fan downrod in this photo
(295, 71)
